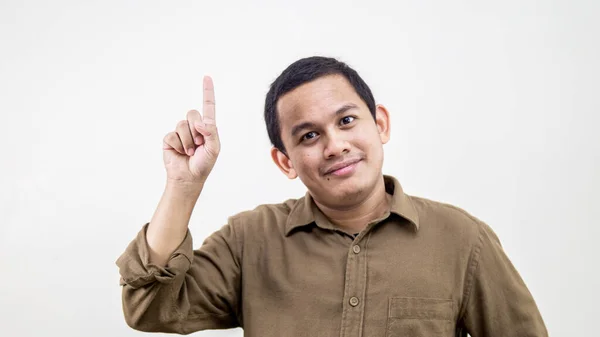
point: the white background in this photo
(494, 109)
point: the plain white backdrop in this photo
(494, 109)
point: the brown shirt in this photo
(423, 269)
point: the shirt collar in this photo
(305, 212)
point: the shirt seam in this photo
(472, 268)
(193, 316)
(236, 251)
(208, 315)
(233, 248)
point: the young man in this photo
(356, 256)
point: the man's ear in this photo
(382, 120)
(283, 162)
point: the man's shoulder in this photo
(446, 217)
(267, 216)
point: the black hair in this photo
(301, 72)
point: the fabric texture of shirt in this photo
(423, 269)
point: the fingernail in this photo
(190, 152)
(197, 140)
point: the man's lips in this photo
(341, 165)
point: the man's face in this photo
(333, 143)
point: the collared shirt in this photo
(423, 269)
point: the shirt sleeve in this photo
(196, 290)
(498, 302)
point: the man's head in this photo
(321, 116)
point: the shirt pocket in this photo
(416, 317)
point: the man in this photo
(356, 256)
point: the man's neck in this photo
(355, 218)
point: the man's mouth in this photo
(342, 168)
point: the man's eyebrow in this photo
(307, 125)
(345, 108)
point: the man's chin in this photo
(339, 190)
(346, 192)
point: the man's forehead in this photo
(316, 97)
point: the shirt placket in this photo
(355, 288)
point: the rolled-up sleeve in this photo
(498, 302)
(196, 290)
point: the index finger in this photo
(208, 109)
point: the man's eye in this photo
(309, 135)
(346, 120)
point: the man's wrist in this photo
(183, 189)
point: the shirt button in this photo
(356, 249)
(353, 301)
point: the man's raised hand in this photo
(190, 152)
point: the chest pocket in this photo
(420, 317)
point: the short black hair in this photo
(303, 71)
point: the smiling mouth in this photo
(343, 168)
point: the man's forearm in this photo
(169, 223)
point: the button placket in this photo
(354, 289)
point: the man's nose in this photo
(336, 146)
